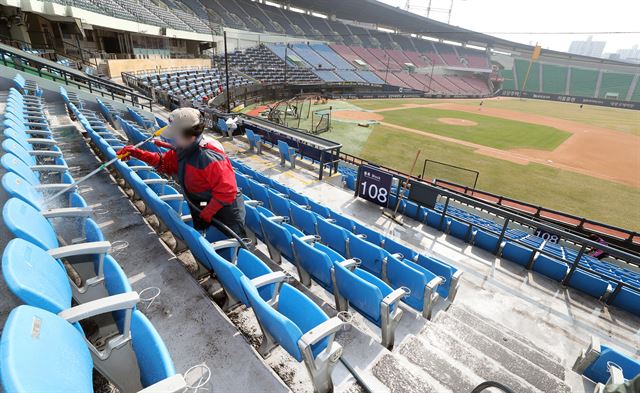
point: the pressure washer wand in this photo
(102, 166)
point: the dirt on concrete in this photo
(590, 150)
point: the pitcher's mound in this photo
(356, 115)
(457, 122)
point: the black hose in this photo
(491, 384)
(217, 223)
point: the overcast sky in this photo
(510, 16)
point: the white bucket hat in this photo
(180, 120)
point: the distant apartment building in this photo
(587, 48)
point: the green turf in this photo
(538, 184)
(616, 119)
(489, 131)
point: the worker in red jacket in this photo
(203, 170)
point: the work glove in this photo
(129, 151)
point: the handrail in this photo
(24, 44)
(42, 67)
(491, 384)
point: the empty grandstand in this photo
(347, 275)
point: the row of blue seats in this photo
(523, 248)
(381, 260)
(42, 338)
(287, 317)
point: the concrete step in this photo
(486, 324)
(474, 360)
(510, 340)
(439, 365)
(400, 379)
(508, 359)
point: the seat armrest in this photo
(433, 284)
(318, 333)
(269, 278)
(49, 168)
(136, 168)
(67, 212)
(80, 249)
(394, 297)
(123, 301)
(277, 219)
(252, 202)
(42, 141)
(227, 243)
(45, 153)
(350, 263)
(173, 384)
(171, 197)
(155, 181)
(310, 239)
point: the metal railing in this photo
(625, 238)
(42, 68)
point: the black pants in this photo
(231, 216)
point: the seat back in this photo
(253, 222)
(11, 163)
(280, 205)
(303, 219)
(10, 145)
(394, 247)
(153, 356)
(333, 236)
(259, 192)
(25, 222)
(35, 277)
(370, 254)
(42, 352)
(372, 236)
(598, 371)
(357, 288)
(17, 187)
(314, 262)
(317, 208)
(278, 236)
(400, 274)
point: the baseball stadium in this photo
(315, 196)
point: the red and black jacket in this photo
(203, 170)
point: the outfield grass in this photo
(623, 120)
(553, 188)
(489, 131)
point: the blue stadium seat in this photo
(517, 253)
(301, 328)
(17, 187)
(304, 219)
(25, 222)
(255, 141)
(314, 260)
(371, 235)
(287, 153)
(63, 363)
(601, 363)
(319, 209)
(280, 205)
(550, 267)
(278, 236)
(450, 275)
(333, 236)
(370, 296)
(628, 299)
(589, 283)
(485, 240)
(394, 247)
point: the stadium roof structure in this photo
(384, 15)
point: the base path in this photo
(356, 115)
(590, 150)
